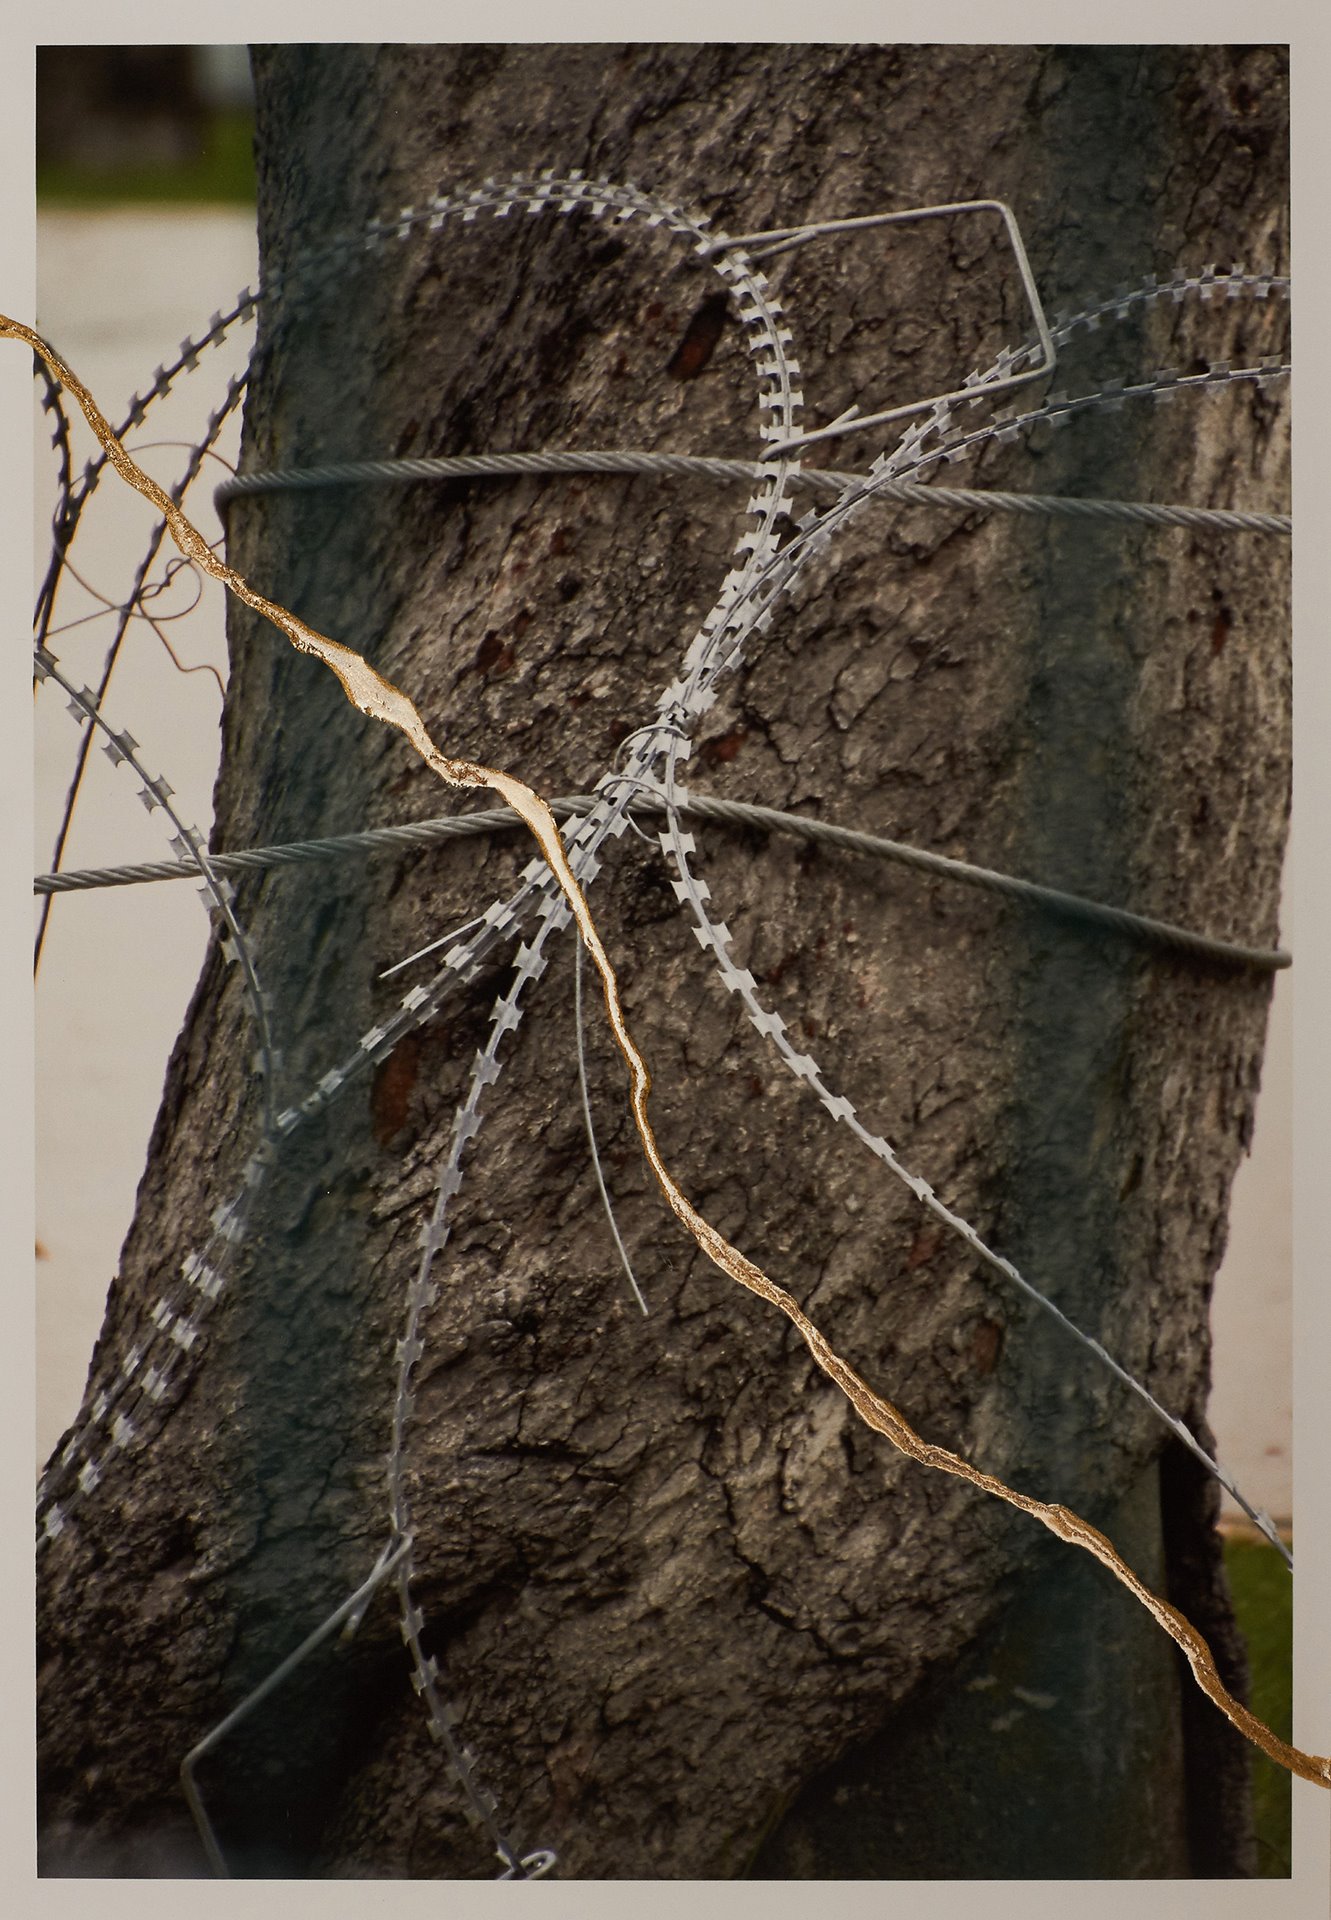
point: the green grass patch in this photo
(1263, 1602)
(223, 174)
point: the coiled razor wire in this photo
(765, 507)
(65, 522)
(767, 340)
(154, 1366)
(762, 571)
(122, 750)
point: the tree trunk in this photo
(694, 1618)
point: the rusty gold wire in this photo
(379, 699)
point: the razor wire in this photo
(156, 792)
(75, 495)
(762, 572)
(67, 521)
(765, 506)
(755, 549)
(154, 1363)
(767, 340)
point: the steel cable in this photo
(422, 833)
(689, 466)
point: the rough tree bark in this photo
(696, 1620)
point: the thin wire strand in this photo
(351, 1611)
(1069, 906)
(591, 1129)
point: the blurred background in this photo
(145, 227)
(155, 124)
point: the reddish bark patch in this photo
(494, 655)
(394, 1083)
(923, 1247)
(718, 752)
(700, 338)
(986, 1345)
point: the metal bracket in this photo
(777, 240)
